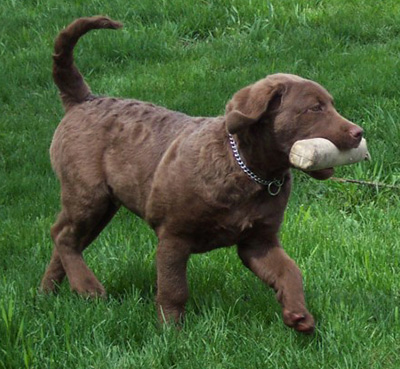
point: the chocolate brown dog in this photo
(201, 183)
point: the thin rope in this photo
(365, 183)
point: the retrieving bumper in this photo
(319, 153)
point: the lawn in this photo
(191, 56)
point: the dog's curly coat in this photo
(179, 174)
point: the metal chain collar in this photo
(278, 183)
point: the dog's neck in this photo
(261, 156)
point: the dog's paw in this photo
(89, 288)
(51, 281)
(301, 321)
(48, 286)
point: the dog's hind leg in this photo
(71, 236)
(55, 272)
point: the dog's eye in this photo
(316, 108)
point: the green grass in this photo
(192, 56)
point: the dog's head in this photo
(282, 109)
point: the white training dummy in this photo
(319, 153)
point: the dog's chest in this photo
(228, 227)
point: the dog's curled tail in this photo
(73, 89)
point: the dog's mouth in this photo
(321, 174)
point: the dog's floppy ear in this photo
(249, 104)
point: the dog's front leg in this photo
(275, 268)
(172, 290)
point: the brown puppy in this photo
(185, 177)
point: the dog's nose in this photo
(356, 132)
